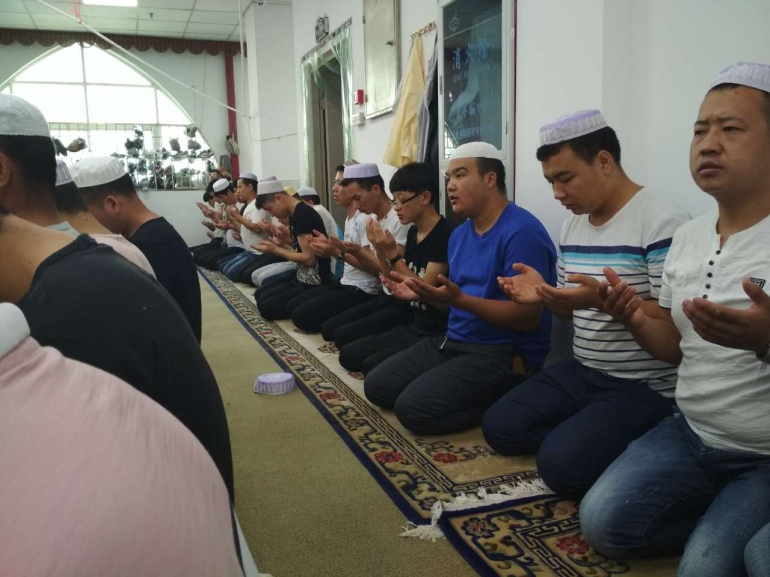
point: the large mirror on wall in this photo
(382, 55)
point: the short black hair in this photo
(367, 183)
(416, 177)
(69, 200)
(263, 199)
(729, 86)
(209, 188)
(120, 187)
(314, 198)
(586, 147)
(487, 165)
(206, 196)
(35, 157)
(341, 168)
(253, 183)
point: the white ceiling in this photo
(200, 19)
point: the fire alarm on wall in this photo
(358, 97)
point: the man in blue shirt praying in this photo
(444, 384)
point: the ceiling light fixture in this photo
(122, 3)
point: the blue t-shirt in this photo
(475, 262)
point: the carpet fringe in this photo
(463, 502)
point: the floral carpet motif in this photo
(537, 536)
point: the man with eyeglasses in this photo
(327, 309)
(444, 384)
(415, 191)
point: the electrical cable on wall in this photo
(80, 21)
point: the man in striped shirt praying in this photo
(578, 416)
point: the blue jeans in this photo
(757, 554)
(232, 269)
(576, 420)
(670, 490)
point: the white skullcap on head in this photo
(97, 171)
(20, 118)
(307, 191)
(270, 187)
(361, 171)
(751, 74)
(476, 150)
(63, 175)
(249, 176)
(220, 185)
(572, 126)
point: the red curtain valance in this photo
(141, 43)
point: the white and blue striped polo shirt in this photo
(634, 243)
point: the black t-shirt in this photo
(304, 221)
(173, 265)
(96, 307)
(417, 256)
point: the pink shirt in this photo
(126, 249)
(97, 479)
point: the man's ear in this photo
(6, 170)
(490, 179)
(605, 162)
(112, 205)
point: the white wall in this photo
(178, 207)
(559, 70)
(680, 46)
(369, 140)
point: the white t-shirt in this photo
(253, 214)
(355, 231)
(724, 393)
(634, 243)
(330, 227)
(221, 209)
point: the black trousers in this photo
(323, 303)
(438, 387)
(363, 355)
(209, 246)
(374, 316)
(576, 420)
(208, 260)
(273, 303)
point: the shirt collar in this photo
(13, 328)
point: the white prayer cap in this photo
(270, 187)
(97, 171)
(307, 191)
(476, 150)
(749, 74)
(63, 175)
(361, 171)
(20, 118)
(572, 126)
(220, 185)
(249, 176)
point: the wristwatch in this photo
(394, 260)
